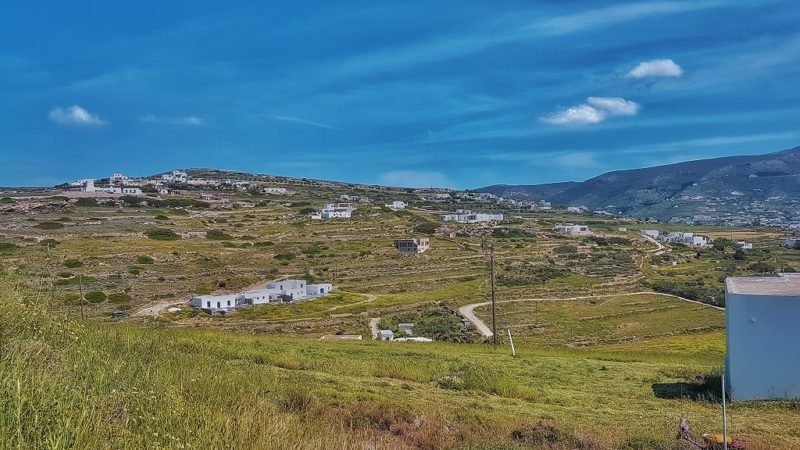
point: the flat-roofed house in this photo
(763, 356)
(418, 245)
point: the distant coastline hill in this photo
(737, 186)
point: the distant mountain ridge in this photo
(727, 190)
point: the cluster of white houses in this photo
(334, 211)
(276, 292)
(679, 237)
(572, 229)
(466, 216)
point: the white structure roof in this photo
(787, 284)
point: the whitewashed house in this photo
(572, 229)
(692, 239)
(336, 211)
(763, 356)
(396, 205)
(275, 292)
(118, 178)
(176, 176)
(274, 190)
(417, 245)
(744, 245)
(466, 216)
(650, 233)
(385, 335)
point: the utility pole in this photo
(80, 287)
(724, 416)
(494, 317)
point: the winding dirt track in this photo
(468, 311)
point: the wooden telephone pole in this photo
(494, 317)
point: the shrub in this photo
(87, 201)
(7, 200)
(162, 234)
(50, 242)
(72, 263)
(565, 249)
(161, 217)
(65, 274)
(426, 228)
(95, 296)
(284, 256)
(134, 270)
(49, 226)
(8, 247)
(218, 235)
(119, 297)
(144, 259)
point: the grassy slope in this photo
(106, 386)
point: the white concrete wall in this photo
(763, 356)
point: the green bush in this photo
(218, 235)
(72, 263)
(50, 242)
(95, 296)
(87, 201)
(144, 259)
(7, 200)
(285, 256)
(7, 247)
(565, 249)
(162, 234)
(49, 226)
(119, 297)
(134, 270)
(161, 217)
(426, 228)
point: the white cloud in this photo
(183, 120)
(595, 110)
(614, 106)
(74, 115)
(414, 178)
(656, 68)
(304, 122)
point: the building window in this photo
(218, 305)
(208, 304)
(229, 303)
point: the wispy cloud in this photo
(595, 110)
(74, 116)
(612, 15)
(303, 122)
(656, 68)
(180, 120)
(414, 178)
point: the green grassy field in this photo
(64, 384)
(610, 371)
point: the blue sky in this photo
(460, 94)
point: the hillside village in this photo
(323, 265)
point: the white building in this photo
(335, 211)
(576, 209)
(118, 179)
(397, 205)
(651, 233)
(463, 216)
(407, 328)
(89, 186)
(692, 239)
(385, 335)
(176, 176)
(744, 245)
(570, 228)
(418, 245)
(792, 243)
(763, 358)
(274, 190)
(275, 292)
